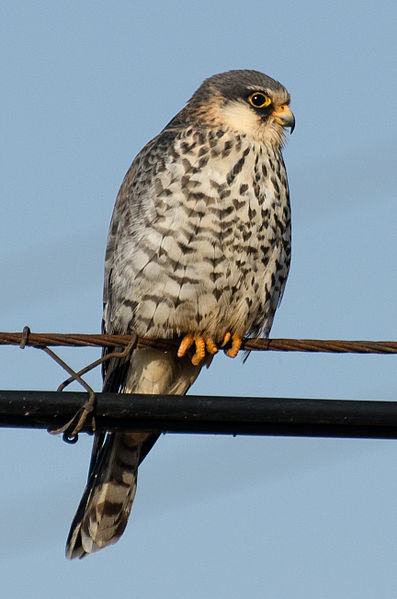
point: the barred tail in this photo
(103, 512)
(105, 506)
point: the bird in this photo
(198, 252)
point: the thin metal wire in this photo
(41, 340)
(72, 428)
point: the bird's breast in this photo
(214, 252)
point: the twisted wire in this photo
(26, 338)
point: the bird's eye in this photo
(259, 100)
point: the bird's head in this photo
(247, 102)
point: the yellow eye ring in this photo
(259, 100)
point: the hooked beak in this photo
(284, 117)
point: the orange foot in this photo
(203, 343)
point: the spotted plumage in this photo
(198, 249)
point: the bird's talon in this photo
(210, 345)
(226, 338)
(236, 345)
(185, 344)
(196, 359)
(203, 343)
(200, 351)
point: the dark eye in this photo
(259, 100)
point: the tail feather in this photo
(105, 506)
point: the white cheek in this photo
(240, 117)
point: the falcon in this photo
(198, 251)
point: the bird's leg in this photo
(203, 343)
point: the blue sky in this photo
(84, 86)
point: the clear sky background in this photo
(84, 86)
